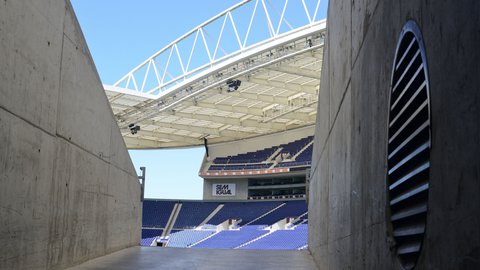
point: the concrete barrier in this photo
(348, 204)
(68, 189)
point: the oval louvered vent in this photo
(409, 146)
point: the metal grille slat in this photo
(409, 194)
(409, 157)
(409, 248)
(406, 71)
(414, 229)
(409, 143)
(409, 212)
(420, 68)
(407, 140)
(412, 173)
(424, 104)
(405, 53)
(419, 90)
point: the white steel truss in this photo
(279, 70)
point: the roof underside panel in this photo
(276, 89)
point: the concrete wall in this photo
(241, 189)
(68, 190)
(347, 205)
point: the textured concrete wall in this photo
(68, 190)
(347, 206)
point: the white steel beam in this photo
(310, 89)
(270, 126)
(165, 136)
(205, 130)
(302, 72)
(141, 143)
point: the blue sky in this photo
(123, 33)
(120, 35)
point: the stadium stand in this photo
(304, 159)
(254, 166)
(236, 167)
(282, 239)
(146, 242)
(187, 237)
(290, 149)
(232, 238)
(156, 213)
(257, 214)
(149, 235)
(302, 219)
(193, 213)
(290, 209)
(249, 157)
(247, 211)
(265, 158)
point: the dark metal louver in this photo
(409, 146)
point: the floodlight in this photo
(134, 128)
(233, 85)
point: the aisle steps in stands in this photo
(300, 218)
(274, 209)
(273, 165)
(193, 213)
(270, 159)
(232, 237)
(281, 239)
(303, 247)
(301, 150)
(155, 213)
(214, 212)
(147, 241)
(204, 239)
(246, 211)
(184, 239)
(253, 240)
(172, 219)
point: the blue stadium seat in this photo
(257, 160)
(282, 239)
(148, 235)
(193, 213)
(247, 211)
(187, 237)
(290, 209)
(156, 213)
(146, 242)
(232, 238)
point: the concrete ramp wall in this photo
(68, 190)
(349, 218)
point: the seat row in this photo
(284, 155)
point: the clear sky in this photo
(123, 33)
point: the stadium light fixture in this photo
(134, 128)
(233, 85)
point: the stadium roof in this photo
(226, 80)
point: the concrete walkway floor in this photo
(193, 259)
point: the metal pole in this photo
(142, 177)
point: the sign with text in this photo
(223, 189)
